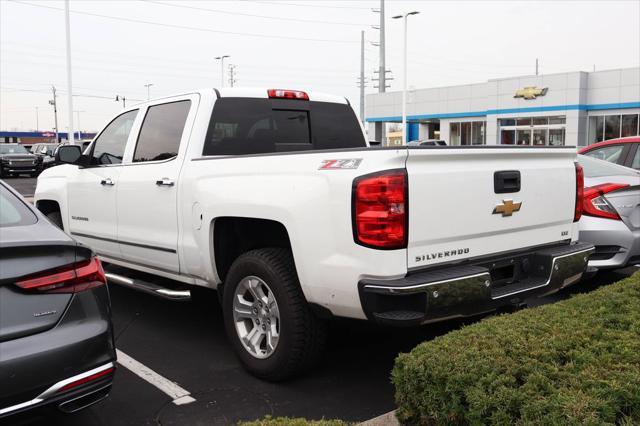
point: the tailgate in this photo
(452, 200)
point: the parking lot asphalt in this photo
(185, 342)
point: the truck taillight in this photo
(577, 213)
(67, 279)
(595, 204)
(380, 209)
(288, 94)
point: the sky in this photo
(119, 46)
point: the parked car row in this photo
(273, 198)
(16, 159)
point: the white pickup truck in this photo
(274, 198)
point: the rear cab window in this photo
(241, 126)
(13, 212)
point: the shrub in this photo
(572, 362)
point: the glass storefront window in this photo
(599, 128)
(454, 134)
(540, 136)
(557, 120)
(629, 125)
(540, 131)
(611, 127)
(523, 137)
(556, 137)
(465, 133)
(479, 137)
(507, 137)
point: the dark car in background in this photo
(56, 337)
(16, 160)
(46, 152)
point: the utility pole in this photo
(79, 132)
(69, 83)
(380, 128)
(148, 85)
(232, 74)
(404, 78)
(54, 103)
(536, 66)
(37, 124)
(361, 82)
(221, 59)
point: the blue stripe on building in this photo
(581, 107)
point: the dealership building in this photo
(574, 108)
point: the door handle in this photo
(165, 182)
(107, 182)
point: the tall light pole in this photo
(69, 84)
(148, 85)
(221, 59)
(79, 131)
(404, 80)
(37, 121)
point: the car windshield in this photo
(13, 149)
(596, 168)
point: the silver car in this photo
(610, 213)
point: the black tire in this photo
(302, 334)
(56, 218)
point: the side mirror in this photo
(68, 154)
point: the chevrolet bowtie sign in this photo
(530, 92)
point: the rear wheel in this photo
(55, 218)
(272, 329)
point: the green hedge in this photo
(572, 362)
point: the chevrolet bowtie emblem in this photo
(507, 208)
(530, 92)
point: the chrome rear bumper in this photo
(465, 290)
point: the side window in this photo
(161, 131)
(109, 146)
(635, 164)
(607, 153)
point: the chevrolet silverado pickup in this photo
(274, 198)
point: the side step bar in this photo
(150, 288)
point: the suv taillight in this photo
(595, 204)
(67, 279)
(380, 209)
(577, 212)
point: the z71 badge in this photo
(345, 163)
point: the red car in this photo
(623, 151)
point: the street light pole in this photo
(37, 121)
(79, 131)
(148, 85)
(404, 79)
(69, 84)
(221, 59)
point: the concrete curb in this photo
(388, 419)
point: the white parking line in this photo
(179, 395)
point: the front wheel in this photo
(272, 329)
